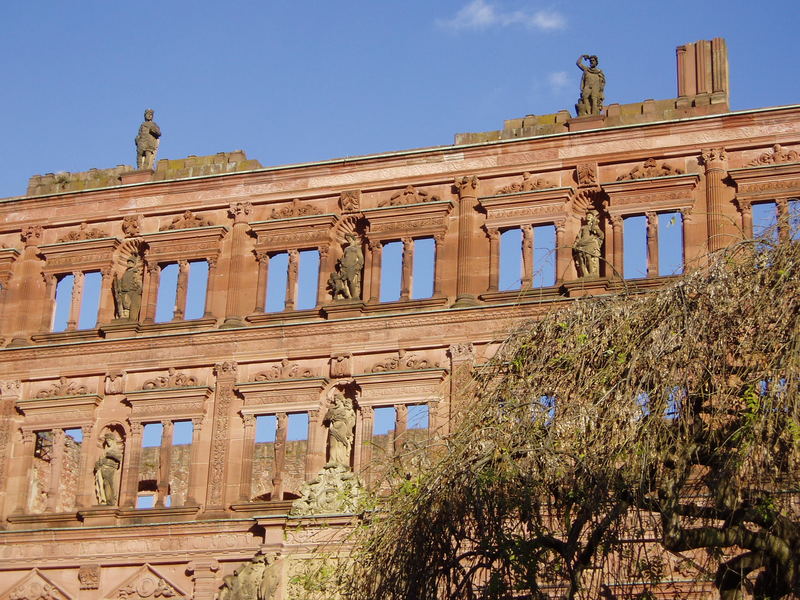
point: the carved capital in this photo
(131, 225)
(714, 158)
(493, 234)
(466, 186)
(616, 221)
(137, 428)
(10, 387)
(227, 368)
(239, 211)
(31, 235)
(560, 225)
(262, 257)
(462, 351)
(248, 420)
(350, 201)
(586, 174)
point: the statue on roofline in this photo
(147, 141)
(593, 85)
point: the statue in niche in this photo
(345, 282)
(593, 85)
(128, 291)
(147, 141)
(340, 421)
(105, 470)
(258, 579)
(587, 246)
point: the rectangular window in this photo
(634, 239)
(294, 468)
(544, 256)
(180, 463)
(765, 220)
(277, 278)
(670, 243)
(196, 290)
(307, 279)
(167, 293)
(391, 271)
(90, 300)
(510, 259)
(423, 268)
(418, 416)
(63, 302)
(264, 457)
(793, 207)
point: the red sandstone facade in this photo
(226, 494)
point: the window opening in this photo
(167, 293)
(544, 256)
(264, 457)
(277, 278)
(391, 271)
(635, 247)
(63, 302)
(308, 279)
(765, 220)
(670, 243)
(423, 268)
(196, 289)
(510, 259)
(90, 300)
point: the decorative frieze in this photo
(63, 387)
(173, 379)
(187, 220)
(402, 361)
(408, 195)
(84, 232)
(776, 155)
(650, 168)
(528, 184)
(295, 208)
(284, 370)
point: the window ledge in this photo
(287, 315)
(528, 294)
(406, 305)
(182, 325)
(66, 336)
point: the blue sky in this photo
(294, 82)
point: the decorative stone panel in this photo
(184, 244)
(767, 182)
(285, 395)
(392, 222)
(83, 255)
(528, 207)
(59, 411)
(168, 403)
(673, 192)
(293, 233)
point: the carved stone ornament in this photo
(284, 370)
(588, 245)
(131, 225)
(83, 233)
(174, 379)
(258, 579)
(227, 368)
(146, 583)
(528, 184)
(350, 201)
(10, 387)
(462, 351)
(36, 587)
(586, 174)
(345, 281)
(335, 490)
(342, 365)
(127, 290)
(409, 195)
(401, 362)
(466, 185)
(31, 235)
(649, 169)
(147, 141)
(114, 383)
(593, 84)
(186, 221)
(89, 577)
(711, 157)
(240, 209)
(775, 156)
(295, 208)
(63, 388)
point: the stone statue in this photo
(593, 85)
(128, 291)
(587, 246)
(345, 282)
(258, 579)
(105, 470)
(340, 421)
(147, 141)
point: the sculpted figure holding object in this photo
(593, 84)
(147, 141)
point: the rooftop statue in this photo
(593, 85)
(147, 141)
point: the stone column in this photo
(652, 243)
(322, 281)
(527, 256)
(50, 298)
(375, 271)
(26, 296)
(75, 304)
(56, 470)
(212, 285)
(181, 290)
(164, 462)
(225, 373)
(248, 448)
(618, 255)
(85, 494)
(235, 308)
(105, 312)
(400, 427)
(715, 161)
(133, 457)
(9, 394)
(153, 277)
(365, 449)
(494, 259)
(193, 484)
(746, 210)
(462, 357)
(784, 228)
(280, 456)
(563, 251)
(408, 259)
(291, 280)
(438, 264)
(315, 453)
(25, 472)
(433, 418)
(467, 189)
(202, 572)
(261, 284)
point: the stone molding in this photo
(294, 233)
(656, 194)
(528, 208)
(169, 403)
(83, 255)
